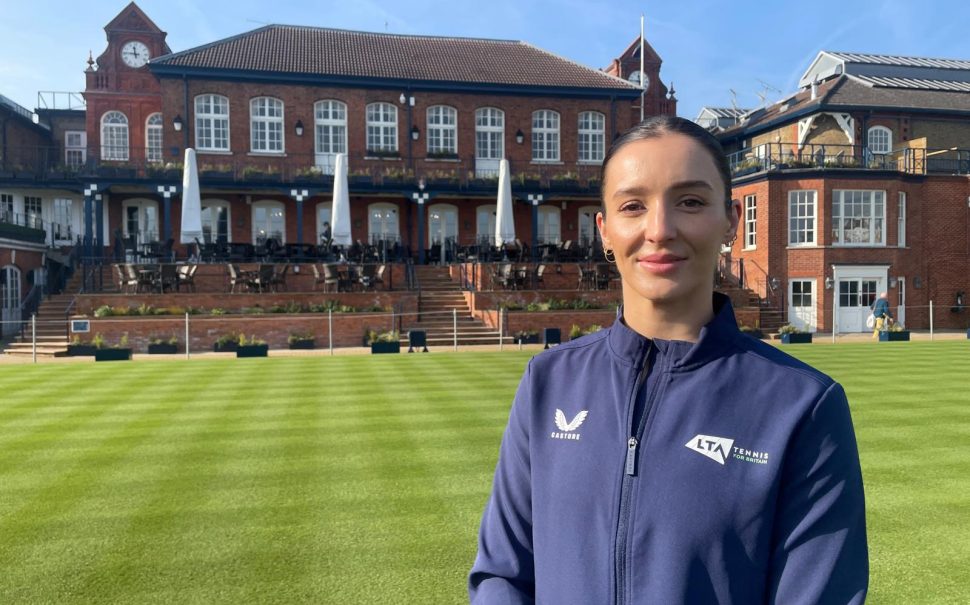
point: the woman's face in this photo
(665, 219)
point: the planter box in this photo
(162, 348)
(252, 350)
(112, 355)
(527, 184)
(221, 175)
(565, 184)
(551, 336)
(452, 183)
(385, 347)
(893, 336)
(261, 177)
(81, 350)
(487, 184)
(303, 344)
(116, 172)
(797, 338)
(360, 180)
(417, 339)
(229, 347)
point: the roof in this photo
(829, 63)
(725, 112)
(22, 113)
(900, 61)
(856, 91)
(914, 83)
(287, 49)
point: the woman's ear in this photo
(734, 219)
(601, 227)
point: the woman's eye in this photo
(693, 203)
(631, 206)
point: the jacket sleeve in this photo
(819, 550)
(503, 571)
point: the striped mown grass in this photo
(362, 479)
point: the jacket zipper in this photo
(623, 521)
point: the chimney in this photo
(814, 89)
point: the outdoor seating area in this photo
(154, 277)
(271, 251)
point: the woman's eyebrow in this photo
(639, 191)
(692, 185)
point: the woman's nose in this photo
(660, 224)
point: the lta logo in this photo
(716, 448)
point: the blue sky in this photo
(708, 47)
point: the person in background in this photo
(880, 310)
(669, 458)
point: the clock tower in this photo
(121, 93)
(657, 99)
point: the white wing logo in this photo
(569, 426)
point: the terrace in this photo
(775, 157)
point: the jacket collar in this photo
(715, 338)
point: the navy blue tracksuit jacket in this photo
(639, 471)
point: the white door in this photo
(801, 304)
(9, 300)
(856, 296)
(489, 141)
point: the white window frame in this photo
(114, 136)
(6, 207)
(550, 225)
(153, 138)
(545, 136)
(485, 216)
(381, 128)
(873, 202)
(212, 205)
(271, 207)
(324, 213)
(329, 128)
(587, 233)
(266, 132)
(148, 217)
(34, 211)
(901, 220)
(442, 129)
(62, 221)
(592, 137)
(489, 122)
(750, 222)
(211, 122)
(805, 201)
(450, 214)
(378, 215)
(879, 140)
(75, 152)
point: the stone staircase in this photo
(771, 318)
(439, 298)
(52, 328)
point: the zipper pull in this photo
(631, 456)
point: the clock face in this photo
(135, 54)
(637, 76)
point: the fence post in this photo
(33, 336)
(330, 330)
(188, 342)
(931, 320)
(501, 331)
(454, 323)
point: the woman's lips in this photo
(661, 264)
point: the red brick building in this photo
(858, 184)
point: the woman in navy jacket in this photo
(669, 458)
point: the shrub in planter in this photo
(163, 346)
(792, 335)
(227, 343)
(896, 332)
(752, 332)
(383, 342)
(253, 347)
(85, 349)
(527, 337)
(301, 341)
(119, 352)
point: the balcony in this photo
(22, 227)
(773, 157)
(367, 172)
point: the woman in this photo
(669, 458)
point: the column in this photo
(299, 195)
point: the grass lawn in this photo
(362, 479)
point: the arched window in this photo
(330, 133)
(545, 136)
(266, 125)
(381, 128)
(324, 215)
(212, 123)
(216, 221)
(588, 235)
(442, 131)
(549, 232)
(880, 140)
(114, 136)
(382, 223)
(153, 138)
(485, 223)
(592, 137)
(269, 220)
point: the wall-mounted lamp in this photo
(177, 123)
(828, 283)
(519, 136)
(299, 128)
(401, 99)
(893, 282)
(422, 184)
(917, 283)
(774, 282)
(415, 133)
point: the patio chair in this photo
(125, 283)
(168, 277)
(537, 275)
(187, 277)
(264, 277)
(331, 277)
(143, 279)
(279, 277)
(503, 276)
(237, 278)
(366, 277)
(379, 276)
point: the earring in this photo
(610, 257)
(730, 244)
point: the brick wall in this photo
(402, 302)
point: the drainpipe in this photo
(185, 111)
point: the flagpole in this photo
(642, 88)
